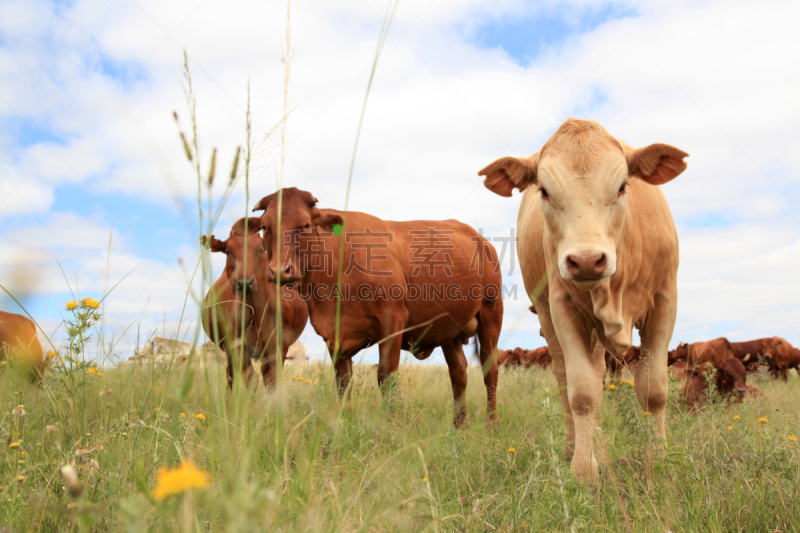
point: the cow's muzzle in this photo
(288, 274)
(587, 266)
(240, 284)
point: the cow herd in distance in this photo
(598, 252)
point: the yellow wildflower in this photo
(72, 305)
(171, 481)
(22, 453)
(611, 387)
(631, 383)
(183, 415)
(20, 478)
(792, 438)
(94, 304)
(92, 370)
(513, 450)
(100, 374)
(763, 420)
(2, 362)
(730, 428)
(51, 353)
(308, 381)
(14, 445)
(299, 378)
(425, 479)
(647, 413)
(736, 417)
(200, 416)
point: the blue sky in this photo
(457, 86)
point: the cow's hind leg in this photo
(457, 365)
(344, 372)
(490, 321)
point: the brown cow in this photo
(630, 360)
(715, 351)
(223, 322)
(728, 379)
(413, 285)
(540, 356)
(680, 353)
(599, 254)
(527, 358)
(20, 344)
(779, 353)
(794, 358)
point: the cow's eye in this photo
(308, 226)
(544, 193)
(622, 188)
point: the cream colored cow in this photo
(599, 255)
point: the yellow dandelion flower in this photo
(94, 304)
(171, 481)
(14, 445)
(647, 413)
(51, 353)
(72, 305)
(100, 374)
(631, 383)
(730, 428)
(611, 387)
(763, 420)
(299, 378)
(183, 415)
(200, 416)
(20, 479)
(92, 370)
(513, 450)
(736, 417)
(425, 479)
(792, 438)
(308, 381)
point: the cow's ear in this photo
(509, 173)
(215, 245)
(254, 225)
(656, 164)
(262, 204)
(327, 219)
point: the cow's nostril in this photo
(600, 265)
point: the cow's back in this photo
(18, 339)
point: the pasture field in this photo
(302, 460)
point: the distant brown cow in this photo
(224, 321)
(413, 285)
(715, 351)
(20, 344)
(541, 357)
(774, 351)
(630, 360)
(729, 381)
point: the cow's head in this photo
(582, 174)
(245, 251)
(300, 222)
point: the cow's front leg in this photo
(559, 371)
(344, 372)
(584, 387)
(652, 375)
(389, 350)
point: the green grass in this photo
(301, 460)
